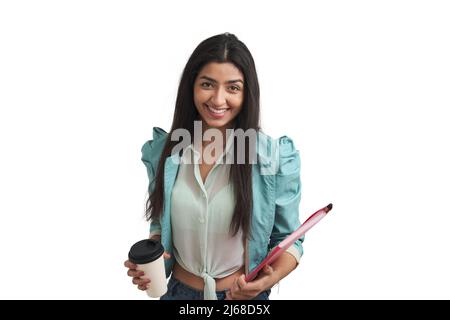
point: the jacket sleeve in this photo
(146, 150)
(287, 196)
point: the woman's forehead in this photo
(224, 71)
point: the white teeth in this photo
(216, 110)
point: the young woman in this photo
(217, 220)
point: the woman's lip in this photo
(216, 108)
(215, 115)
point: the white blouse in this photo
(201, 214)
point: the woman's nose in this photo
(219, 97)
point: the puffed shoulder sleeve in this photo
(146, 151)
(146, 159)
(287, 196)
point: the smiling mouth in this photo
(217, 111)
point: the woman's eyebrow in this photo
(215, 81)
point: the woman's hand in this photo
(138, 276)
(241, 290)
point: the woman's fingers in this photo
(135, 273)
(129, 265)
(267, 269)
(166, 255)
(141, 281)
(241, 282)
(142, 287)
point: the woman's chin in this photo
(215, 123)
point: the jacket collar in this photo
(267, 150)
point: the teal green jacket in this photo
(276, 195)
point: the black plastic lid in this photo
(145, 251)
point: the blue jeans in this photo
(176, 290)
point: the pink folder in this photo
(286, 243)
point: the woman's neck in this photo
(222, 131)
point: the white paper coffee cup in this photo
(148, 256)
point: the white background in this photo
(361, 86)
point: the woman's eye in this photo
(208, 85)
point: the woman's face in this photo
(219, 94)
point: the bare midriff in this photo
(198, 283)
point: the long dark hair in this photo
(219, 48)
